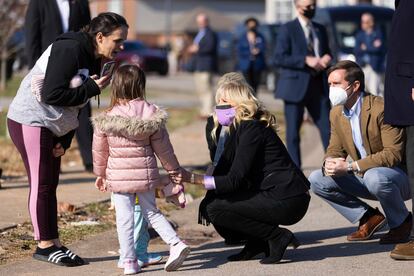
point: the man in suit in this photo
(45, 21)
(377, 169)
(204, 51)
(399, 95)
(370, 52)
(302, 54)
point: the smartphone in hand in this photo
(108, 68)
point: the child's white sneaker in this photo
(178, 253)
(131, 267)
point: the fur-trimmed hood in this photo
(136, 119)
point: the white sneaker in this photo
(131, 267)
(178, 253)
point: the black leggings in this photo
(257, 216)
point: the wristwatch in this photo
(350, 170)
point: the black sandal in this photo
(78, 260)
(53, 255)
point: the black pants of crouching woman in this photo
(253, 215)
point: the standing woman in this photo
(251, 49)
(43, 117)
(255, 186)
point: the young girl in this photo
(126, 138)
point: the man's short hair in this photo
(251, 19)
(353, 72)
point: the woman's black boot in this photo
(278, 245)
(250, 250)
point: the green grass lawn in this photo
(3, 116)
(12, 86)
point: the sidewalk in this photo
(322, 232)
(324, 249)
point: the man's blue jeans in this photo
(390, 186)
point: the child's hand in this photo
(58, 150)
(100, 184)
(176, 176)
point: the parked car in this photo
(343, 22)
(150, 60)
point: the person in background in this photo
(302, 54)
(377, 168)
(45, 21)
(204, 51)
(251, 49)
(399, 97)
(370, 53)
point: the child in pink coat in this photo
(126, 139)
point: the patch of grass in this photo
(195, 191)
(180, 117)
(10, 160)
(12, 86)
(3, 117)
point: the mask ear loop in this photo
(348, 88)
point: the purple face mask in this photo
(225, 114)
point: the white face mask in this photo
(338, 95)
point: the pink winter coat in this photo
(125, 142)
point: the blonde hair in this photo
(128, 84)
(234, 88)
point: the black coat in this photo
(399, 76)
(255, 159)
(43, 24)
(70, 52)
(205, 59)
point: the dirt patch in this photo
(17, 243)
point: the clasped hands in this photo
(317, 63)
(335, 166)
(179, 176)
(176, 176)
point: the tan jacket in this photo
(383, 143)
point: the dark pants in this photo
(84, 135)
(409, 150)
(257, 216)
(318, 106)
(253, 78)
(35, 145)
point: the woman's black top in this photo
(255, 159)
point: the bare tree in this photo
(11, 18)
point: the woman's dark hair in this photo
(353, 72)
(105, 23)
(128, 84)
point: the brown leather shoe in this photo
(368, 226)
(403, 251)
(398, 234)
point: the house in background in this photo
(156, 20)
(160, 21)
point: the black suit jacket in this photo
(43, 24)
(206, 56)
(399, 76)
(255, 159)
